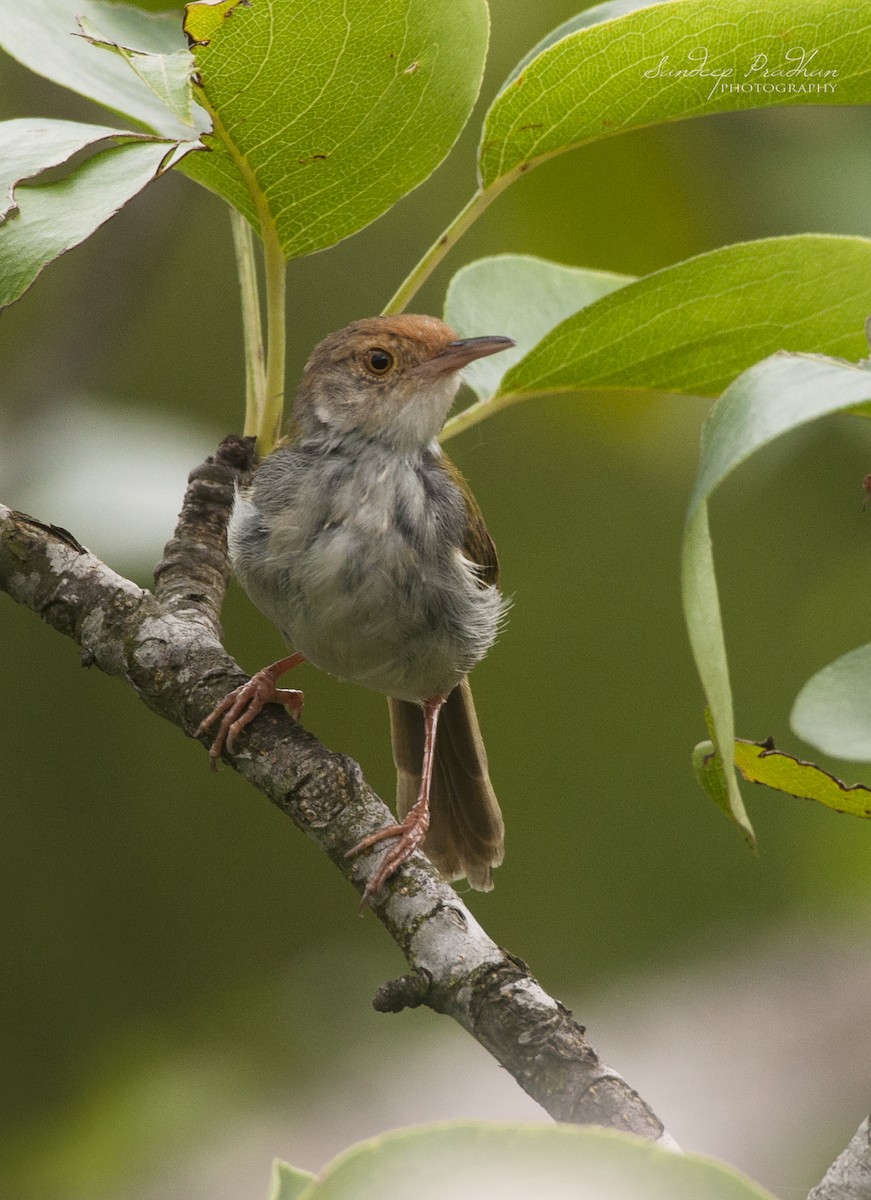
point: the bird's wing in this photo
(478, 546)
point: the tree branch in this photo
(849, 1176)
(166, 646)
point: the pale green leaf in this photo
(773, 397)
(168, 76)
(701, 605)
(520, 297)
(52, 218)
(688, 328)
(671, 61)
(609, 11)
(709, 773)
(288, 1183)
(524, 1162)
(694, 326)
(781, 393)
(42, 34)
(30, 145)
(328, 111)
(762, 762)
(833, 709)
(719, 783)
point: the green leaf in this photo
(52, 218)
(709, 773)
(671, 61)
(689, 328)
(693, 326)
(520, 297)
(288, 1183)
(168, 76)
(41, 34)
(781, 393)
(328, 111)
(512, 1161)
(762, 762)
(719, 783)
(833, 709)
(29, 146)
(701, 605)
(608, 11)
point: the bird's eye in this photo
(379, 361)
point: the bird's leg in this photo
(241, 706)
(410, 832)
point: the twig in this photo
(166, 646)
(193, 574)
(849, 1176)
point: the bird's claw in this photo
(241, 706)
(410, 834)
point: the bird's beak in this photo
(457, 354)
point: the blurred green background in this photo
(185, 984)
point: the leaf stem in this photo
(440, 247)
(269, 416)
(275, 270)
(252, 327)
(479, 411)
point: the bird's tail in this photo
(466, 833)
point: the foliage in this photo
(777, 395)
(512, 1161)
(288, 1183)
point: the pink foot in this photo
(241, 706)
(410, 834)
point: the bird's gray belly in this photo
(363, 603)
(367, 613)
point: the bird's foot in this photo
(410, 835)
(241, 706)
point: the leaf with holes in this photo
(45, 36)
(762, 762)
(51, 218)
(30, 145)
(168, 76)
(326, 112)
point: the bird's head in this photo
(390, 379)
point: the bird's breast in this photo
(361, 568)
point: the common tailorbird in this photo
(362, 543)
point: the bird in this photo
(362, 543)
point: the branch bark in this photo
(849, 1176)
(166, 645)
